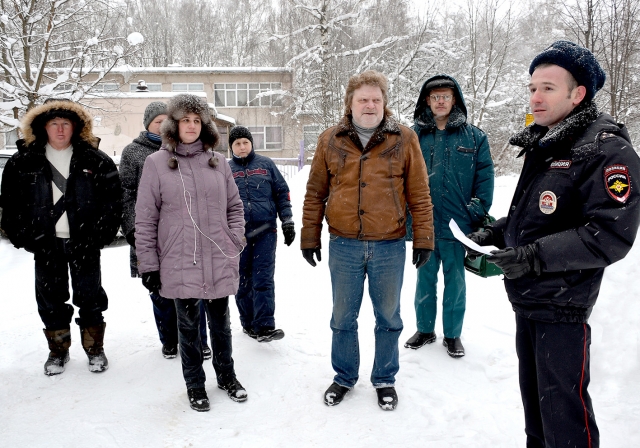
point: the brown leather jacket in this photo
(364, 192)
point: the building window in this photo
(64, 87)
(187, 87)
(247, 94)
(153, 87)
(311, 134)
(266, 138)
(106, 87)
(10, 139)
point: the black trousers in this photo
(52, 287)
(554, 376)
(188, 311)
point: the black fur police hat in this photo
(577, 60)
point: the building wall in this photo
(119, 113)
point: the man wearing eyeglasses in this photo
(461, 181)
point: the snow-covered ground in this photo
(141, 400)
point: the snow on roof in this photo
(178, 69)
(226, 118)
(141, 95)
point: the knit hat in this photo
(152, 111)
(240, 132)
(577, 60)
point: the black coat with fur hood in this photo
(93, 197)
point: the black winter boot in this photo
(335, 394)
(198, 399)
(387, 398)
(59, 343)
(269, 334)
(419, 339)
(454, 347)
(234, 390)
(92, 342)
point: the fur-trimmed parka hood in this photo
(177, 108)
(33, 123)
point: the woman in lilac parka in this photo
(189, 235)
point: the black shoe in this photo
(269, 334)
(419, 339)
(454, 347)
(206, 352)
(170, 350)
(249, 332)
(387, 398)
(335, 394)
(234, 389)
(54, 365)
(198, 399)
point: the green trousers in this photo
(451, 255)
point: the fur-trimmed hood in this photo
(33, 123)
(178, 107)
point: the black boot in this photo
(454, 347)
(387, 398)
(234, 390)
(198, 399)
(419, 339)
(269, 334)
(59, 343)
(92, 342)
(335, 394)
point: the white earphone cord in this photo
(195, 240)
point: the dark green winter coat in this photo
(461, 174)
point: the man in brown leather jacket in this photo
(365, 172)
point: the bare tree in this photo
(49, 46)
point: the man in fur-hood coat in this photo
(62, 202)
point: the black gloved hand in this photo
(308, 255)
(151, 281)
(482, 237)
(131, 238)
(289, 232)
(420, 257)
(517, 261)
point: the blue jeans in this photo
(350, 261)
(164, 311)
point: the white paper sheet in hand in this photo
(457, 233)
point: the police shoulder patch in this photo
(548, 202)
(617, 182)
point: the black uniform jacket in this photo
(579, 199)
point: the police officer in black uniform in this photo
(574, 212)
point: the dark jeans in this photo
(52, 287)
(554, 376)
(189, 313)
(164, 310)
(256, 293)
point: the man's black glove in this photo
(151, 281)
(517, 261)
(289, 232)
(482, 237)
(308, 255)
(131, 238)
(420, 257)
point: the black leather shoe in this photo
(170, 350)
(419, 339)
(454, 347)
(387, 398)
(269, 334)
(335, 394)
